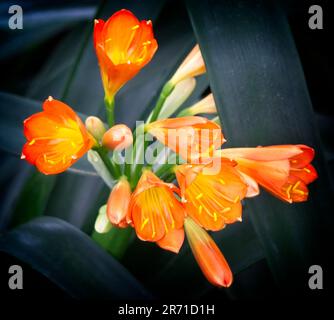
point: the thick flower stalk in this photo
(57, 138)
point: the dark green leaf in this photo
(258, 84)
(71, 259)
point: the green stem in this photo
(165, 170)
(166, 91)
(111, 166)
(184, 113)
(110, 106)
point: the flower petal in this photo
(154, 209)
(118, 202)
(172, 241)
(56, 138)
(208, 256)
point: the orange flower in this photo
(155, 212)
(56, 138)
(124, 45)
(191, 137)
(284, 170)
(118, 203)
(211, 198)
(208, 256)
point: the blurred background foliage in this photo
(46, 221)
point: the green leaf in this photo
(32, 202)
(71, 260)
(258, 83)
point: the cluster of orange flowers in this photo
(160, 212)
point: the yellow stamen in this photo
(199, 196)
(200, 209)
(144, 224)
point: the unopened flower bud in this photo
(102, 223)
(192, 66)
(206, 105)
(118, 137)
(95, 127)
(118, 203)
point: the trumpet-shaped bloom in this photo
(118, 137)
(155, 212)
(212, 196)
(124, 45)
(192, 66)
(192, 137)
(284, 170)
(118, 203)
(56, 138)
(208, 256)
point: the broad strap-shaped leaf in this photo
(72, 260)
(258, 83)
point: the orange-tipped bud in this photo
(95, 127)
(118, 137)
(206, 105)
(192, 66)
(208, 256)
(118, 203)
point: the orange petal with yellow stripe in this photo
(56, 138)
(212, 200)
(123, 45)
(154, 209)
